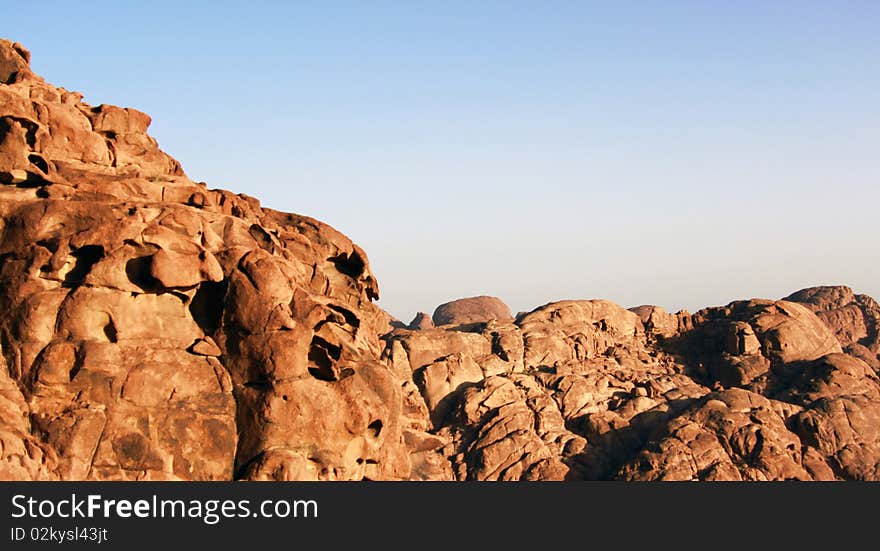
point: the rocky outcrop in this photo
(154, 328)
(471, 310)
(421, 321)
(855, 319)
(157, 329)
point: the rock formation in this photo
(471, 310)
(421, 321)
(157, 329)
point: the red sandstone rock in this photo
(855, 319)
(421, 321)
(157, 329)
(471, 310)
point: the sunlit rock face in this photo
(157, 329)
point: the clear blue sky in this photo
(678, 153)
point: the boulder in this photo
(421, 321)
(471, 310)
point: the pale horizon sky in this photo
(680, 153)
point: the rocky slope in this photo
(157, 329)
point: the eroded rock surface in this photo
(471, 310)
(157, 329)
(855, 319)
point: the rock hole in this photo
(498, 347)
(350, 317)
(77, 364)
(197, 199)
(331, 349)
(39, 162)
(351, 265)
(110, 331)
(138, 271)
(324, 356)
(29, 126)
(261, 383)
(262, 238)
(85, 257)
(31, 135)
(323, 368)
(206, 307)
(375, 429)
(51, 244)
(25, 55)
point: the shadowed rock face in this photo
(421, 321)
(157, 329)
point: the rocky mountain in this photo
(157, 329)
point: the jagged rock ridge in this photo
(158, 329)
